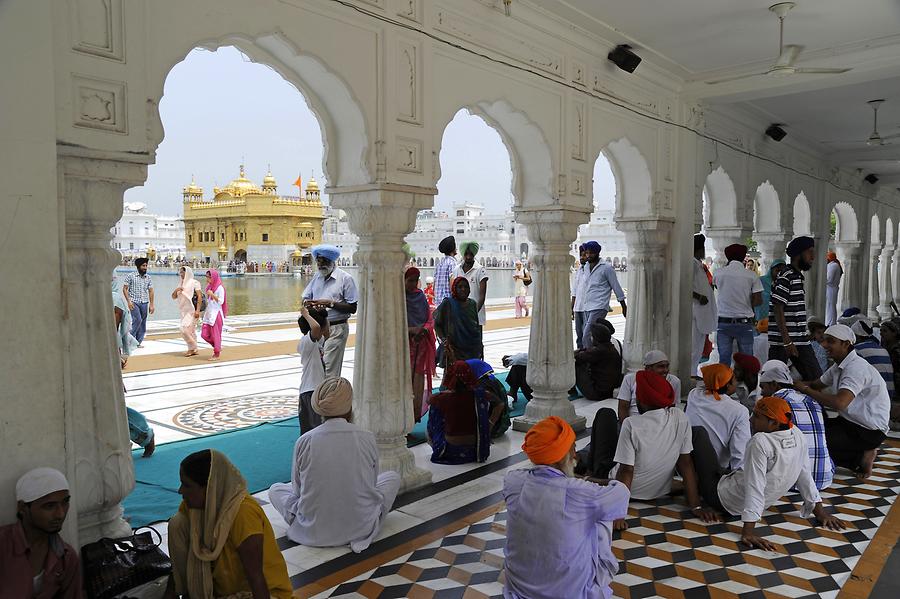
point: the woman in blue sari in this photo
(495, 393)
(762, 311)
(456, 325)
(459, 427)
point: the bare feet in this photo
(866, 464)
(214, 359)
(151, 447)
(188, 354)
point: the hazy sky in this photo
(220, 109)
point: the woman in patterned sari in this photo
(459, 428)
(456, 325)
(421, 340)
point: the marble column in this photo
(721, 238)
(871, 307)
(771, 246)
(551, 358)
(814, 285)
(98, 446)
(381, 215)
(895, 275)
(848, 253)
(885, 267)
(649, 295)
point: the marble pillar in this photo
(895, 275)
(886, 296)
(381, 215)
(649, 289)
(551, 358)
(848, 253)
(814, 280)
(873, 297)
(771, 246)
(721, 238)
(99, 450)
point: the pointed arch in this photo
(802, 216)
(634, 187)
(721, 205)
(766, 209)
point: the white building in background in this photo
(138, 232)
(602, 229)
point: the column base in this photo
(399, 459)
(538, 409)
(106, 523)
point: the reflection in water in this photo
(264, 294)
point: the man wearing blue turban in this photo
(596, 284)
(335, 290)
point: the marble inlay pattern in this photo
(229, 414)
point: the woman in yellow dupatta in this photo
(220, 541)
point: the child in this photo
(776, 460)
(816, 335)
(313, 323)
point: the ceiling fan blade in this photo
(891, 136)
(788, 56)
(843, 141)
(820, 71)
(735, 78)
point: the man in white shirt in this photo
(477, 276)
(833, 274)
(335, 290)
(703, 302)
(654, 361)
(739, 291)
(336, 496)
(597, 283)
(724, 419)
(862, 403)
(651, 444)
(777, 460)
(578, 316)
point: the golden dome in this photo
(269, 180)
(312, 185)
(222, 249)
(193, 188)
(241, 186)
(297, 253)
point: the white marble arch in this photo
(847, 228)
(721, 207)
(766, 209)
(634, 183)
(529, 154)
(345, 138)
(802, 215)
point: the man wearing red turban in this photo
(559, 528)
(740, 291)
(650, 445)
(777, 459)
(746, 375)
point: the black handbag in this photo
(202, 307)
(114, 566)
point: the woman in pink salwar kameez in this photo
(215, 313)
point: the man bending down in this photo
(559, 528)
(775, 461)
(336, 496)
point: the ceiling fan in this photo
(875, 138)
(787, 55)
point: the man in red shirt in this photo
(35, 563)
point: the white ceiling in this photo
(709, 39)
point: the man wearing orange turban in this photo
(559, 528)
(724, 419)
(649, 447)
(777, 459)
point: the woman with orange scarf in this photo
(712, 408)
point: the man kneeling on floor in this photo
(650, 446)
(776, 460)
(336, 496)
(558, 528)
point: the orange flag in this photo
(299, 182)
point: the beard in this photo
(568, 467)
(804, 265)
(326, 271)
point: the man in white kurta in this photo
(833, 274)
(703, 302)
(336, 496)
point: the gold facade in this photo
(248, 223)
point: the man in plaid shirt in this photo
(138, 292)
(806, 415)
(444, 268)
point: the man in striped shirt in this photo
(775, 380)
(444, 268)
(869, 349)
(788, 336)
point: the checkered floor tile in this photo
(665, 553)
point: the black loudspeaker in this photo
(871, 178)
(776, 132)
(624, 58)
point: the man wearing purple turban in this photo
(596, 285)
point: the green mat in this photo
(262, 453)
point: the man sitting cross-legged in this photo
(336, 496)
(862, 403)
(650, 446)
(776, 460)
(775, 380)
(656, 361)
(559, 528)
(714, 408)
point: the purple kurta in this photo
(559, 535)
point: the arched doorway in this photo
(240, 256)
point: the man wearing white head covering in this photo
(35, 563)
(656, 361)
(336, 496)
(862, 402)
(335, 290)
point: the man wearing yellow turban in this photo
(559, 528)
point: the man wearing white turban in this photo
(336, 496)
(335, 290)
(34, 561)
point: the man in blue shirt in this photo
(596, 284)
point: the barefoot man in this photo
(862, 403)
